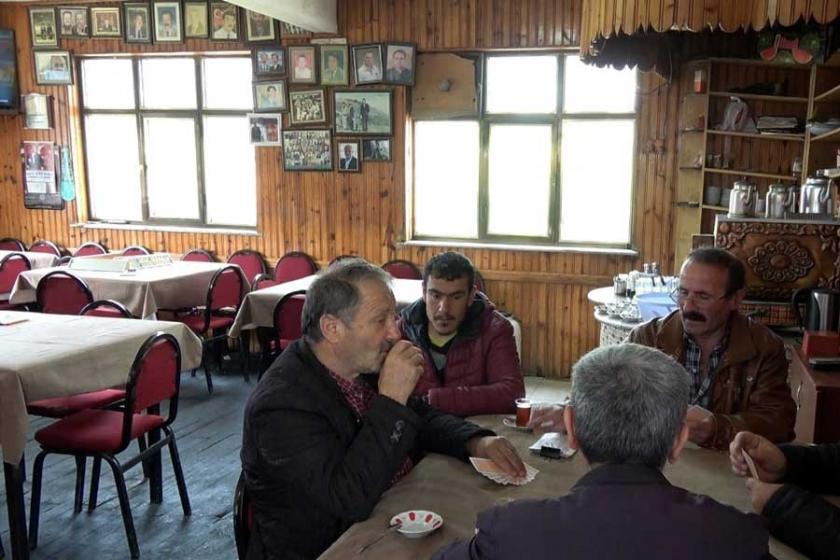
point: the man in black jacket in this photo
(322, 441)
(789, 476)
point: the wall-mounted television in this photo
(9, 98)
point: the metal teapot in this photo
(779, 199)
(743, 198)
(817, 195)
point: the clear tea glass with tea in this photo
(523, 412)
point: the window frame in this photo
(485, 122)
(197, 114)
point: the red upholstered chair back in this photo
(294, 265)
(10, 266)
(225, 289)
(44, 246)
(287, 314)
(198, 255)
(402, 269)
(90, 248)
(135, 250)
(251, 263)
(12, 244)
(263, 281)
(106, 308)
(63, 293)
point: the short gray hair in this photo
(336, 292)
(629, 404)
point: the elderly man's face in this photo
(229, 22)
(704, 305)
(67, 18)
(332, 62)
(348, 151)
(167, 19)
(368, 59)
(366, 340)
(399, 60)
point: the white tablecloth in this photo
(55, 355)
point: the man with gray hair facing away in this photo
(627, 417)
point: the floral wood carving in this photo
(781, 261)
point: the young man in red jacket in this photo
(471, 364)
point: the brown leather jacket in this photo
(750, 390)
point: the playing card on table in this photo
(750, 465)
(495, 473)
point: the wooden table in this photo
(56, 355)
(457, 492)
(179, 284)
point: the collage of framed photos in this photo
(286, 80)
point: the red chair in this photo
(402, 269)
(252, 263)
(44, 246)
(102, 434)
(243, 517)
(10, 267)
(294, 265)
(106, 308)
(263, 281)
(90, 248)
(287, 314)
(135, 250)
(224, 296)
(11, 244)
(198, 255)
(63, 293)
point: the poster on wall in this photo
(40, 188)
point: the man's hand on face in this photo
(701, 424)
(500, 451)
(399, 374)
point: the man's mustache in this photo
(693, 316)
(444, 318)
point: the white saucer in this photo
(417, 523)
(510, 422)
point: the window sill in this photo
(523, 247)
(176, 229)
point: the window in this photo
(549, 160)
(167, 140)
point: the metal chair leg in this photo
(179, 473)
(94, 483)
(125, 507)
(81, 462)
(245, 350)
(35, 503)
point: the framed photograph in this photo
(362, 111)
(43, 27)
(53, 68)
(265, 129)
(367, 63)
(334, 65)
(307, 150)
(224, 22)
(289, 30)
(259, 27)
(105, 22)
(376, 149)
(38, 109)
(399, 64)
(137, 23)
(195, 20)
(302, 65)
(348, 155)
(40, 184)
(73, 21)
(270, 96)
(269, 61)
(167, 22)
(307, 107)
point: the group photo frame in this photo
(270, 96)
(265, 129)
(105, 22)
(73, 22)
(307, 150)
(363, 111)
(43, 27)
(269, 61)
(224, 22)
(168, 22)
(376, 149)
(307, 107)
(138, 26)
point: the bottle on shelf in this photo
(796, 167)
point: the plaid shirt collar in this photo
(700, 386)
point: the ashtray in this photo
(417, 523)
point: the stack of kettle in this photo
(816, 197)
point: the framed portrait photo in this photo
(259, 27)
(367, 64)
(167, 22)
(376, 149)
(348, 155)
(43, 27)
(334, 65)
(53, 68)
(73, 21)
(137, 22)
(307, 107)
(399, 64)
(362, 111)
(195, 20)
(224, 21)
(270, 96)
(265, 129)
(269, 61)
(307, 150)
(302, 69)
(105, 22)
